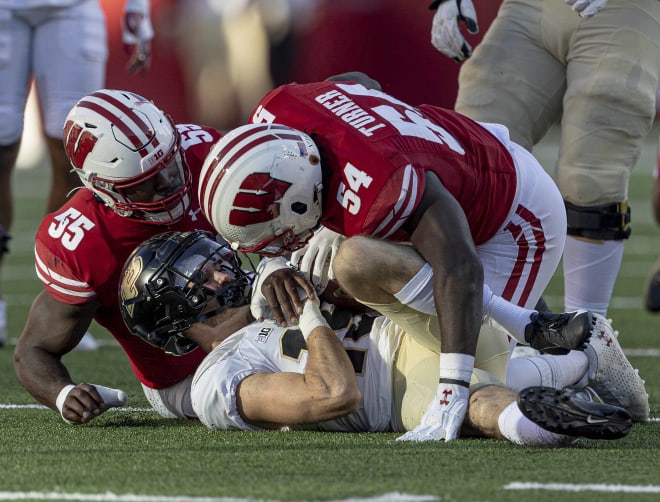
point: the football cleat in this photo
(611, 375)
(563, 412)
(558, 333)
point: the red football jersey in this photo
(81, 249)
(375, 150)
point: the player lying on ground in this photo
(481, 211)
(338, 370)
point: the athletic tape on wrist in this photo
(456, 367)
(311, 319)
(61, 397)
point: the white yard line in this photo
(107, 496)
(575, 487)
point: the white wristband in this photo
(456, 366)
(311, 319)
(61, 397)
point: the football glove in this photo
(444, 416)
(446, 34)
(314, 260)
(586, 8)
(137, 33)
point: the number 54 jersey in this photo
(375, 152)
(265, 347)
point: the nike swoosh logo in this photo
(591, 420)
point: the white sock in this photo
(512, 317)
(557, 372)
(590, 271)
(520, 430)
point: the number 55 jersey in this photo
(81, 248)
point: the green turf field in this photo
(135, 455)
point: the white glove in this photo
(315, 259)
(445, 414)
(586, 8)
(446, 34)
(137, 33)
(443, 417)
(258, 304)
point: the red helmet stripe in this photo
(123, 125)
(210, 191)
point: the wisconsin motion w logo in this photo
(256, 199)
(78, 143)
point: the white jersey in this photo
(269, 348)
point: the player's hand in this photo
(137, 33)
(586, 8)
(443, 417)
(276, 293)
(314, 261)
(446, 33)
(81, 403)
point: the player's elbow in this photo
(335, 401)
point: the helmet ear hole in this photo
(299, 207)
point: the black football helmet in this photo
(165, 287)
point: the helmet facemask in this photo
(168, 285)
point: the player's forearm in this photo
(330, 381)
(42, 374)
(329, 376)
(458, 299)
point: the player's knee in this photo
(601, 222)
(349, 265)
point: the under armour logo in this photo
(602, 335)
(193, 213)
(446, 394)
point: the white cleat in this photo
(611, 375)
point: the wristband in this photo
(311, 319)
(456, 367)
(61, 397)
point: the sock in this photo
(512, 317)
(590, 271)
(520, 430)
(557, 372)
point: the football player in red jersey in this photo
(137, 168)
(480, 210)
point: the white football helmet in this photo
(261, 188)
(126, 151)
